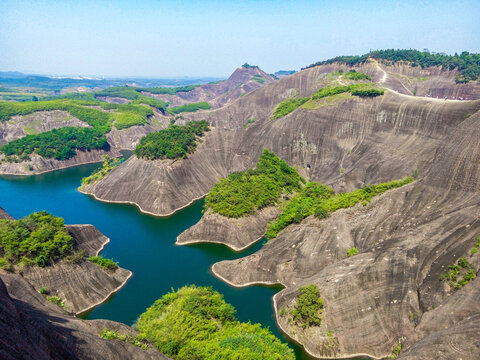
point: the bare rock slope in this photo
(392, 290)
(33, 328)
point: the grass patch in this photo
(57, 301)
(38, 239)
(258, 78)
(241, 193)
(107, 264)
(190, 107)
(196, 323)
(287, 106)
(249, 121)
(175, 142)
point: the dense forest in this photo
(243, 192)
(196, 323)
(468, 65)
(175, 142)
(39, 238)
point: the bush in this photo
(39, 238)
(353, 75)
(43, 291)
(75, 258)
(115, 335)
(288, 106)
(241, 193)
(108, 165)
(56, 300)
(308, 307)
(171, 143)
(196, 323)
(367, 92)
(352, 251)
(107, 264)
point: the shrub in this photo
(308, 307)
(108, 165)
(56, 300)
(288, 106)
(367, 92)
(352, 251)
(354, 75)
(43, 291)
(115, 335)
(107, 264)
(76, 257)
(196, 323)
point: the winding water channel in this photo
(141, 243)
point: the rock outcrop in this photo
(236, 233)
(33, 328)
(80, 284)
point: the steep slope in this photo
(407, 237)
(33, 328)
(243, 80)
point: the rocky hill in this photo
(390, 293)
(244, 79)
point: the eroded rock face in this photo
(33, 328)
(238, 234)
(407, 238)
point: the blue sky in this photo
(212, 38)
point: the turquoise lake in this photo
(141, 243)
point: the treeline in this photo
(189, 108)
(197, 323)
(468, 65)
(172, 143)
(38, 239)
(243, 192)
(168, 90)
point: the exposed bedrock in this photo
(348, 145)
(33, 328)
(392, 289)
(236, 233)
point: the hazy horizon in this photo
(193, 39)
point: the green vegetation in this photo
(196, 323)
(107, 264)
(57, 301)
(62, 143)
(39, 238)
(460, 273)
(133, 94)
(108, 165)
(171, 143)
(241, 193)
(299, 207)
(43, 291)
(309, 307)
(115, 335)
(468, 65)
(367, 92)
(258, 78)
(189, 107)
(249, 121)
(396, 351)
(287, 106)
(75, 258)
(354, 75)
(172, 90)
(248, 66)
(318, 199)
(476, 247)
(352, 251)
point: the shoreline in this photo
(87, 309)
(231, 247)
(138, 206)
